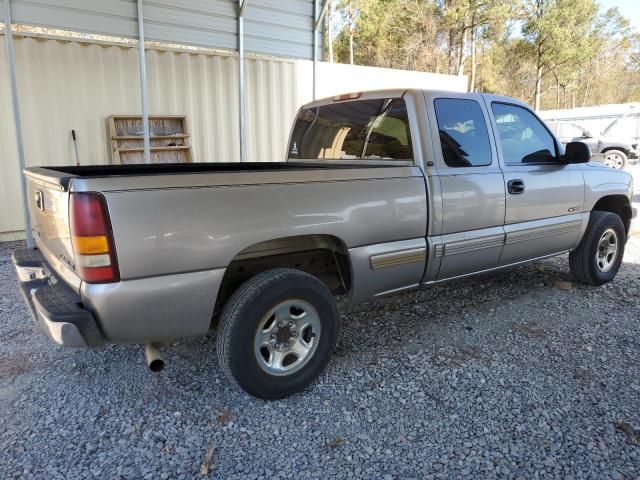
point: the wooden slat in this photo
(151, 137)
(151, 117)
(154, 149)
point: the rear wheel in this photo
(615, 159)
(599, 255)
(278, 331)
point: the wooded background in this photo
(550, 53)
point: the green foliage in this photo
(553, 53)
(390, 33)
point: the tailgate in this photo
(48, 198)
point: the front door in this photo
(544, 198)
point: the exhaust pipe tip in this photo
(155, 360)
(156, 365)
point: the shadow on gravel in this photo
(532, 301)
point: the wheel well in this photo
(324, 256)
(618, 204)
(620, 149)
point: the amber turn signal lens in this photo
(91, 245)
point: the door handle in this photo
(39, 200)
(515, 187)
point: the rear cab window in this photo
(464, 137)
(374, 129)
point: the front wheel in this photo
(615, 159)
(278, 331)
(599, 255)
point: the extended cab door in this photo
(544, 198)
(473, 191)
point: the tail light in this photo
(92, 238)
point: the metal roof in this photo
(272, 27)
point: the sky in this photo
(629, 8)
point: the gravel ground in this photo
(516, 374)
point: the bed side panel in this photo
(174, 230)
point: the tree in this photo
(350, 13)
(553, 53)
(465, 21)
(329, 31)
(391, 33)
(609, 72)
(558, 34)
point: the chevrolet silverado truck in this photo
(379, 193)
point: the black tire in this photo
(244, 314)
(583, 260)
(622, 164)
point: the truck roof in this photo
(398, 92)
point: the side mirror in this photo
(576, 152)
(587, 134)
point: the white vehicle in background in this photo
(614, 150)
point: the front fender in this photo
(601, 181)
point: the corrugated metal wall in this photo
(70, 85)
(65, 85)
(10, 197)
(272, 27)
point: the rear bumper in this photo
(55, 307)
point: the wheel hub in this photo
(283, 336)
(614, 160)
(607, 250)
(287, 337)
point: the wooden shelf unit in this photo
(169, 138)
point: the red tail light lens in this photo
(92, 238)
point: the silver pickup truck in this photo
(380, 192)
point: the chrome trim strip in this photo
(396, 290)
(542, 232)
(472, 245)
(401, 257)
(438, 250)
(495, 268)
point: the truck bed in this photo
(177, 168)
(60, 176)
(210, 207)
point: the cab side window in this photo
(464, 138)
(523, 138)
